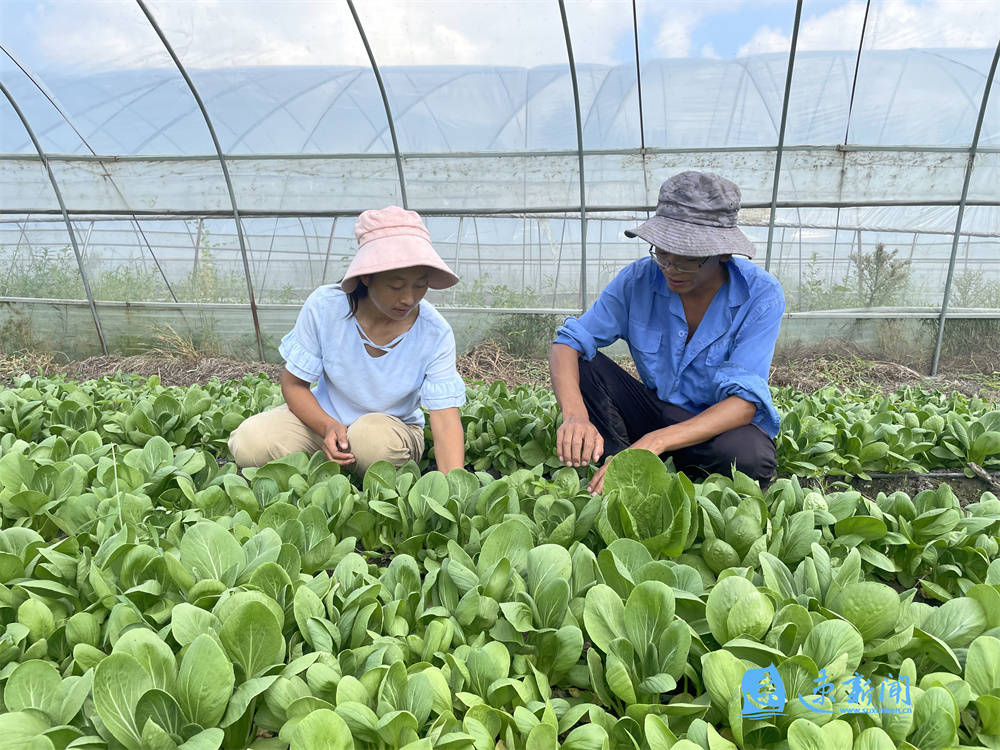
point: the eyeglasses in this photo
(687, 267)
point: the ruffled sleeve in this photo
(443, 387)
(301, 348)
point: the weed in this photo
(971, 289)
(47, 273)
(522, 335)
(971, 342)
(189, 347)
(817, 294)
(882, 277)
(17, 334)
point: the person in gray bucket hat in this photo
(701, 326)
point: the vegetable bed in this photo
(152, 597)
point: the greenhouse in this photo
(196, 551)
(151, 172)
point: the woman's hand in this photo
(335, 444)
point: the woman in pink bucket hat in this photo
(377, 352)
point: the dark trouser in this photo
(623, 410)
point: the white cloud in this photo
(674, 39)
(215, 33)
(892, 24)
(766, 39)
(92, 35)
(677, 22)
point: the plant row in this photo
(830, 432)
(153, 598)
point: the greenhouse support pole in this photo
(579, 145)
(65, 213)
(225, 170)
(638, 91)
(781, 133)
(638, 79)
(458, 243)
(197, 247)
(961, 210)
(329, 244)
(385, 101)
(562, 240)
(857, 67)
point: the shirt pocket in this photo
(718, 352)
(644, 343)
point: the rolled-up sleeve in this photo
(604, 323)
(746, 369)
(443, 387)
(301, 347)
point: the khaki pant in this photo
(372, 437)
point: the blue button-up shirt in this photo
(728, 355)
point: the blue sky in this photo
(87, 35)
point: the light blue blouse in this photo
(729, 354)
(325, 347)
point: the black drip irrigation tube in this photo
(989, 478)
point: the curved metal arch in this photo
(422, 100)
(502, 124)
(961, 210)
(847, 127)
(225, 170)
(638, 89)
(385, 101)
(781, 134)
(857, 67)
(638, 82)
(579, 143)
(280, 106)
(107, 175)
(65, 213)
(524, 107)
(326, 111)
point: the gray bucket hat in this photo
(696, 216)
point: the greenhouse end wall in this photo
(65, 330)
(872, 197)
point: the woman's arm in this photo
(303, 404)
(449, 438)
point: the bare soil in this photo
(492, 361)
(967, 489)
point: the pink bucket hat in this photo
(390, 238)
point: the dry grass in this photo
(174, 345)
(490, 361)
(178, 362)
(20, 363)
(842, 364)
(171, 370)
(811, 374)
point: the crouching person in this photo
(701, 326)
(377, 351)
